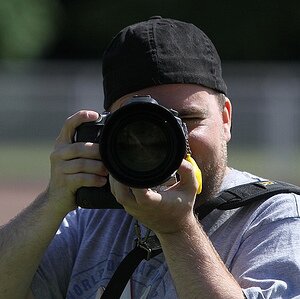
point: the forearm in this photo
(22, 244)
(195, 266)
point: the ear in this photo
(226, 116)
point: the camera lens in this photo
(141, 146)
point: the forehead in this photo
(175, 96)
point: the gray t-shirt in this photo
(259, 244)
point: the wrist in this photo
(188, 226)
(56, 204)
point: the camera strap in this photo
(245, 194)
(149, 246)
(146, 248)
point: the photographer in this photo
(54, 249)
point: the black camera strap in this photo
(146, 248)
(243, 195)
(149, 246)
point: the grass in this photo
(270, 163)
(24, 161)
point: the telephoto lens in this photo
(143, 143)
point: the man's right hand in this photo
(25, 238)
(74, 165)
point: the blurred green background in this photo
(80, 29)
(50, 67)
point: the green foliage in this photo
(73, 29)
(27, 28)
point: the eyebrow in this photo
(193, 110)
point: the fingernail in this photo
(92, 115)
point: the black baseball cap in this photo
(159, 51)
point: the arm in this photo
(195, 266)
(24, 240)
(22, 244)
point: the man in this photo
(251, 252)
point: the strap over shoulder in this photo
(243, 195)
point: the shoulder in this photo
(277, 208)
(236, 177)
(285, 201)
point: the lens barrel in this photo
(142, 143)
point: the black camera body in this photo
(142, 145)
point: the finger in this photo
(146, 197)
(78, 180)
(85, 166)
(68, 130)
(122, 193)
(76, 150)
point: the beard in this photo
(213, 173)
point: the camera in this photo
(141, 144)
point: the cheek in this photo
(201, 144)
(206, 143)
